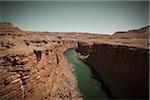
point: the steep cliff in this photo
(38, 75)
(33, 67)
(32, 64)
(123, 69)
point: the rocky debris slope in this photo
(123, 69)
(139, 33)
(33, 67)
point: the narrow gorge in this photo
(89, 86)
(34, 66)
(74, 49)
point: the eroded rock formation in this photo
(33, 67)
(123, 69)
(23, 77)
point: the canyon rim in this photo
(74, 50)
(33, 66)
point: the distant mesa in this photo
(8, 27)
(139, 33)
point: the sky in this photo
(102, 17)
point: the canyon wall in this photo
(38, 75)
(124, 70)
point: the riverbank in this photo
(90, 87)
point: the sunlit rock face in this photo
(123, 69)
(33, 67)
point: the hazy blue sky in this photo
(79, 16)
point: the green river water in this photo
(89, 87)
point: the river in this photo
(89, 87)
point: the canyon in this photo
(33, 66)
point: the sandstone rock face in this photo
(24, 77)
(124, 70)
(33, 67)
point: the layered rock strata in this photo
(33, 67)
(32, 78)
(32, 64)
(37, 76)
(123, 69)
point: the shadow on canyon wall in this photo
(124, 70)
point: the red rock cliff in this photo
(38, 75)
(124, 70)
(33, 67)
